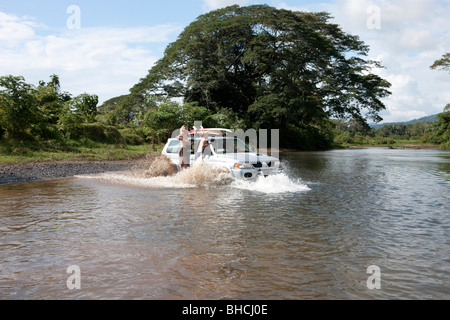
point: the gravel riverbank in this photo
(45, 171)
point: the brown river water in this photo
(310, 233)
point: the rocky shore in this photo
(45, 171)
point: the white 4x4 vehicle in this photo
(228, 152)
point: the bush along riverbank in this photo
(43, 123)
(418, 135)
(27, 151)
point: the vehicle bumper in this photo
(250, 174)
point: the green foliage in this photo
(75, 127)
(165, 116)
(116, 111)
(44, 118)
(18, 110)
(101, 133)
(226, 118)
(304, 137)
(272, 68)
(132, 136)
(442, 133)
(85, 105)
(70, 123)
(342, 139)
(50, 100)
(436, 133)
(443, 63)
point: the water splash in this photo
(205, 175)
(160, 172)
(276, 184)
(161, 167)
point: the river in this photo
(310, 233)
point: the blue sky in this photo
(119, 41)
(100, 13)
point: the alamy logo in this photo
(74, 281)
(374, 281)
(74, 20)
(257, 140)
(374, 20)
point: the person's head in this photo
(184, 127)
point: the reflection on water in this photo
(308, 234)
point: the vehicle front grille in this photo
(259, 165)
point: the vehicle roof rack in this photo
(211, 131)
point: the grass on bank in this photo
(19, 152)
(89, 142)
(345, 141)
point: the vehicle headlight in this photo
(242, 165)
(278, 164)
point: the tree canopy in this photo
(442, 134)
(275, 68)
(27, 111)
(17, 105)
(443, 63)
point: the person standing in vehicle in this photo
(202, 146)
(185, 148)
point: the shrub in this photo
(342, 139)
(101, 133)
(132, 136)
(305, 137)
(70, 124)
(18, 111)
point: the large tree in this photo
(273, 67)
(50, 100)
(442, 133)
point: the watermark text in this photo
(374, 19)
(74, 20)
(374, 281)
(74, 280)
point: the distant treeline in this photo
(432, 118)
(47, 115)
(436, 133)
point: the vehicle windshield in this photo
(220, 146)
(223, 146)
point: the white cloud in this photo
(13, 29)
(216, 4)
(412, 35)
(418, 40)
(102, 61)
(285, 6)
(403, 85)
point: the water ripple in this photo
(310, 234)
